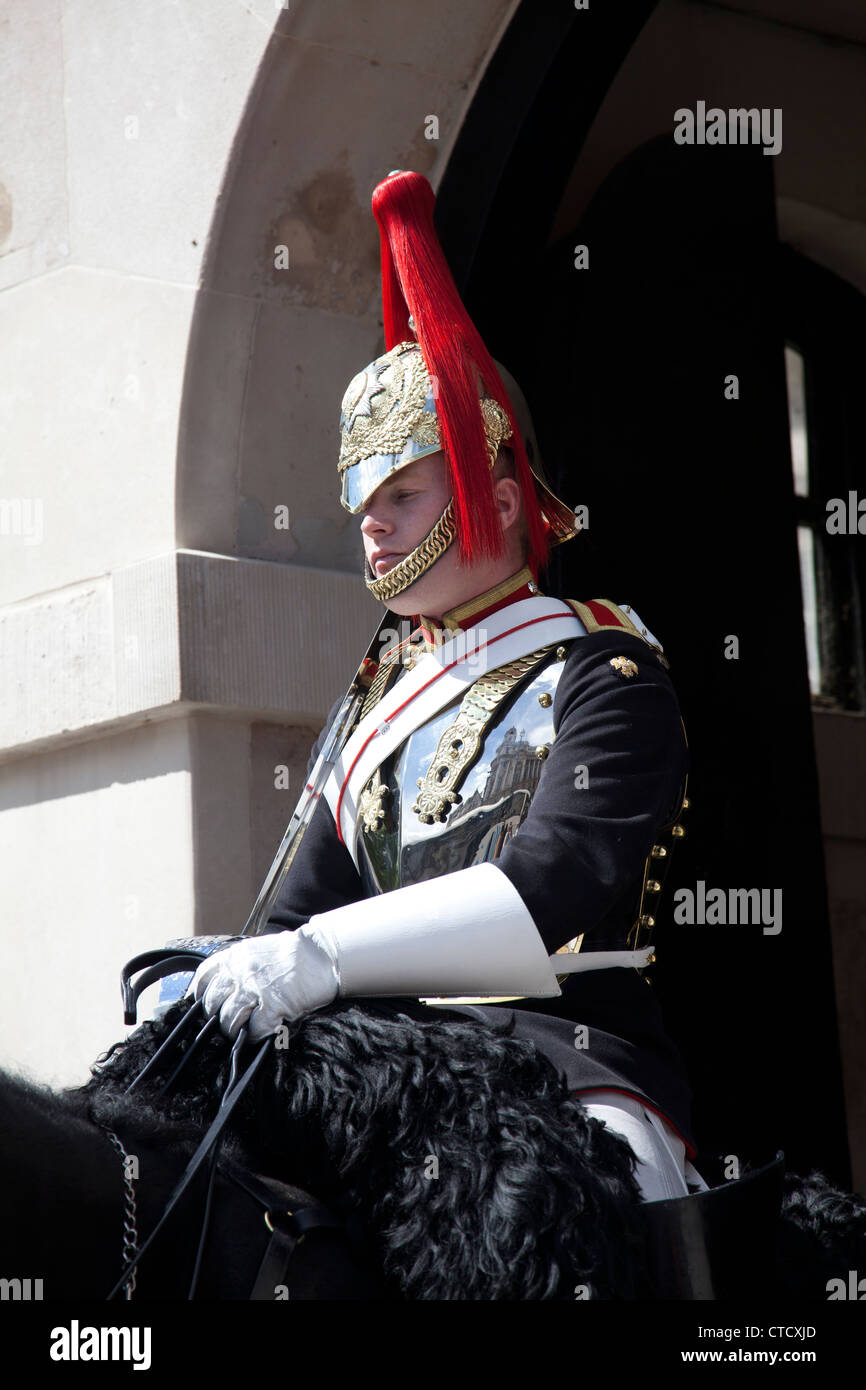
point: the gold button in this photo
(545, 700)
(653, 885)
(678, 832)
(542, 752)
(560, 653)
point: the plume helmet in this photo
(437, 387)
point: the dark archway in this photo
(692, 521)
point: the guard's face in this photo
(402, 511)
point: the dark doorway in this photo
(693, 523)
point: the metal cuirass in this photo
(475, 765)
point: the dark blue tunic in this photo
(577, 862)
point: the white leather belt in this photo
(439, 678)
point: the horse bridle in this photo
(130, 1218)
(287, 1228)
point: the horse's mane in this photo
(73, 1113)
(175, 1121)
(19, 1093)
(476, 1172)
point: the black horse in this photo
(454, 1155)
(67, 1185)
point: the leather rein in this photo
(287, 1227)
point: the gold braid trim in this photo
(418, 561)
(461, 743)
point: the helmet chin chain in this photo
(425, 554)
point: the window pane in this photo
(797, 420)
(806, 545)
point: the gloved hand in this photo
(466, 931)
(267, 979)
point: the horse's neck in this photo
(62, 1193)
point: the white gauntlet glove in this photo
(267, 979)
(469, 931)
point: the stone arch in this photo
(271, 346)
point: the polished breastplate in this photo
(459, 787)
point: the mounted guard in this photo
(502, 801)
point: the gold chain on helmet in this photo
(418, 561)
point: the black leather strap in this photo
(182, 1026)
(175, 958)
(152, 965)
(315, 1217)
(274, 1266)
(289, 1225)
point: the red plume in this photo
(416, 280)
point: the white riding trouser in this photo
(663, 1169)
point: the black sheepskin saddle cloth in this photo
(460, 1152)
(476, 1172)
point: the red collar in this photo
(519, 586)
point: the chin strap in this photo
(418, 561)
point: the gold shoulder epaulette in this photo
(603, 615)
